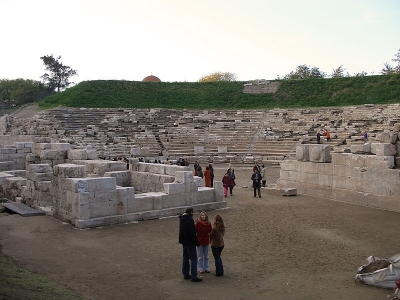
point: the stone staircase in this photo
(267, 135)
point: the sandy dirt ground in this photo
(275, 248)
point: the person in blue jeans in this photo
(188, 239)
(217, 243)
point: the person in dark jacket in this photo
(257, 178)
(188, 239)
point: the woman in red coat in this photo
(203, 229)
(207, 177)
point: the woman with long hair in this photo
(203, 229)
(217, 243)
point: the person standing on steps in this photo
(256, 177)
(189, 241)
(327, 135)
(318, 138)
(264, 176)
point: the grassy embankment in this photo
(346, 91)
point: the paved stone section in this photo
(22, 209)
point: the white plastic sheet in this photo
(385, 277)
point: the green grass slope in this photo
(381, 89)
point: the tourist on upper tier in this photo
(318, 138)
(365, 136)
(328, 135)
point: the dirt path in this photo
(276, 248)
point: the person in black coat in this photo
(188, 239)
(256, 177)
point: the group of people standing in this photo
(208, 174)
(201, 235)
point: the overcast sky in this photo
(182, 40)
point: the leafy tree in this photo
(388, 69)
(339, 72)
(59, 74)
(218, 76)
(20, 91)
(305, 72)
(362, 73)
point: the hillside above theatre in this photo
(382, 89)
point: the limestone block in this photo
(39, 168)
(102, 209)
(398, 161)
(360, 149)
(396, 127)
(325, 180)
(222, 149)
(3, 177)
(173, 188)
(388, 137)
(53, 154)
(31, 158)
(101, 166)
(355, 160)
(92, 154)
(198, 181)
(198, 149)
(176, 200)
(125, 193)
(97, 185)
(135, 151)
(61, 146)
(172, 169)
(286, 175)
(184, 176)
(5, 151)
(380, 161)
(75, 154)
(204, 195)
(43, 186)
(141, 202)
(288, 191)
(339, 182)
(288, 165)
(302, 153)
(320, 153)
(39, 176)
(123, 178)
(19, 145)
(144, 151)
(156, 168)
(81, 211)
(39, 147)
(383, 149)
(6, 165)
(69, 171)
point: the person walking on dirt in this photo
(256, 177)
(189, 241)
(233, 177)
(226, 183)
